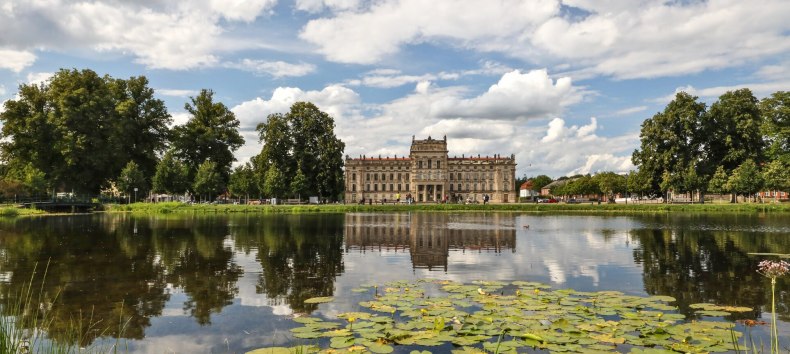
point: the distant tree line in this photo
(738, 146)
(87, 133)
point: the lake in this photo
(232, 283)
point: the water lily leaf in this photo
(341, 342)
(284, 350)
(468, 350)
(713, 313)
(651, 351)
(337, 333)
(376, 347)
(319, 300)
(420, 352)
(308, 335)
(704, 306)
(608, 338)
(360, 290)
(736, 309)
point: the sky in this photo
(563, 85)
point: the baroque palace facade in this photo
(429, 175)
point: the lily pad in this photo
(319, 300)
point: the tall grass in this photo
(24, 320)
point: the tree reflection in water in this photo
(704, 263)
(301, 255)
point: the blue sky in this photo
(564, 85)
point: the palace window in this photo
(353, 176)
(459, 187)
(375, 176)
(392, 176)
(407, 178)
(367, 187)
(429, 163)
(399, 176)
(407, 187)
(399, 187)
(459, 176)
(367, 176)
(419, 164)
(383, 176)
(353, 187)
(451, 187)
(438, 164)
(391, 189)
(376, 187)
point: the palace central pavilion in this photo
(429, 175)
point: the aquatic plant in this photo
(772, 270)
(512, 317)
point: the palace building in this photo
(429, 175)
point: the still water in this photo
(231, 283)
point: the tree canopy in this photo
(212, 133)
(728, 147)
(80, 129)
(300, 153)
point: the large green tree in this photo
(540, 181)
(212, 133)
(746, 179)
(81, 129)
(132, 181)
(243, 182)
(208, 182)
(142, 123)
(171, 176)
(302, 142)
(776, 176)
(775, 111)
(671, 142)
(732, 131)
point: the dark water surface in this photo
(231, 283)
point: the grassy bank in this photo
(13, 211)
(166, 208)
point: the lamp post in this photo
(626, 187)
(135, 194)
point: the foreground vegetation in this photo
(174, 207)
(486, 317)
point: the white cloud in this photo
(15, 60)
(38, 78)
(630, 110)
(276, 69)
(241, 10)
(576, 149)
(177, 92)
(388, 78)
(622, 39)
(774, 72)
(315, 6)
(516, 95)
(2, 90)
(158, 34)
(368, 37)
(179, 118)
(759, 89)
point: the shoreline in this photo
(167, 208)
(603, 209)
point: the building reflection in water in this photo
(428, 237)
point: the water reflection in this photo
(428, 237)
(223, 280)
(695, 262)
